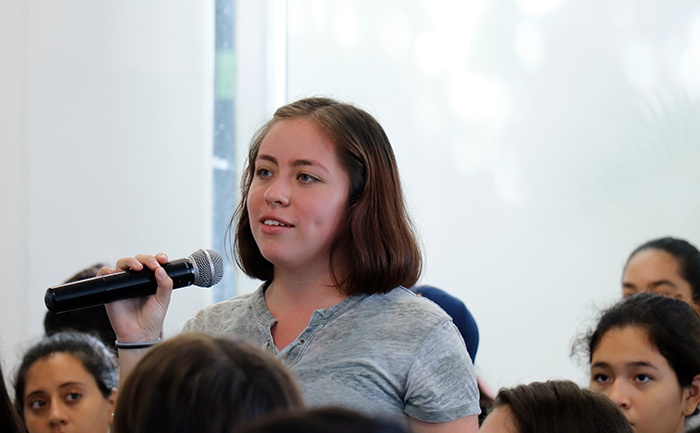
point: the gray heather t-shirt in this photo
(387, 355)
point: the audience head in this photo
(201, 383)
(67, 382)
(461, 316)
(325, 420)
(92, 320)
(665, 266)
(645, 355)
(554, 407)
(10, 421)
(376, 239)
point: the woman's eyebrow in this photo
(64, 385)
(307, 162)
(33, 393)
(296, 163)
(662, 282)
(638, 364)
(268, 158)
(635, 364)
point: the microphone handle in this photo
(115, 287)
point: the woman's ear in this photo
(691, 396)
(112, 401)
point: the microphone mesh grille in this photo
(208, 267)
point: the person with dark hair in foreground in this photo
(10, 421)
(554, 407)
(645, 355)
(665, 266)
(323, 223)
(197, 383)
(335, 420)
(67, 383)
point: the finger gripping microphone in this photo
(203, 268)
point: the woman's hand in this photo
(141, 319)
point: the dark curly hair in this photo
(672, 326)
(97, 359)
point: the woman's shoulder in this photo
(403, 306)
(405, 322)
(402, 298)
(223, 314)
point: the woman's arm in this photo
(141, 319)
(468, 424)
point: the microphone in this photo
(203, 268)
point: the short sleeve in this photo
(441, 382)
(194, 324)
(188, 326)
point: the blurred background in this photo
(539, 142)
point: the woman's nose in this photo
(277, 193)
(58, 415)
(617, 392)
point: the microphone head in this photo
(208, 267)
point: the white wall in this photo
(13, 176)
(108, 110)
(539, 143)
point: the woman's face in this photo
(61, 396)
(655, 271)
(633, 374)
(501, 420)
(298, 197)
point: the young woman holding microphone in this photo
(323, 224)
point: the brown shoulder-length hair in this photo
(377, 249)
(198, 383)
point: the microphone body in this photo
(203, 268)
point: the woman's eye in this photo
(73, 396)
(37, 404)
(306, 177)
(600, 378)
(642, 378)
(263, 172)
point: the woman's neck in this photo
(292, 300)
(302, 292)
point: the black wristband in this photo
(141, 345)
